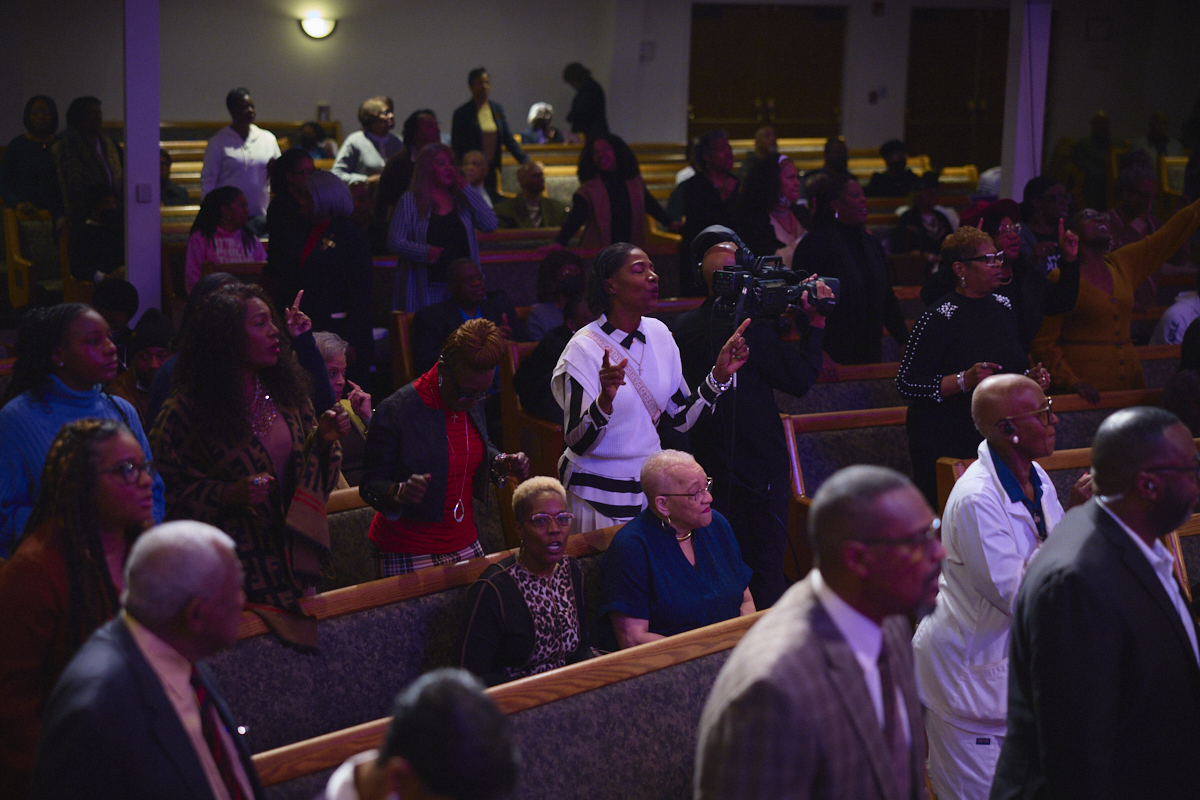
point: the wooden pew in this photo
(625, 723)
(540, 440)
(374, 638)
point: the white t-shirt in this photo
(230, 160)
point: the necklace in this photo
(262, 410)
(685, 537)
(460, 510)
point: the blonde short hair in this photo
(963, 243)
(531, 490)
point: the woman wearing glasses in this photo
(676, 566)
(428, 456)
(65, 577)
(526, 613)
(966, 336)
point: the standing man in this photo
(480, 124)
(134, 715)
(818, 699)
(1104, 682)
(588, 115)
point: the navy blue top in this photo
(646, 575)
(1012, 487)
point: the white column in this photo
(143, 217)
(1025, 96)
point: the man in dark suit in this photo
(133, 715)
(818, 700)
(1103, 678)
(480, 124)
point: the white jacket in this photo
(961, 649)
(1175, 320)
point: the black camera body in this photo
(761, 287)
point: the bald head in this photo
(531, 177)
(1002, 396)
(723, 254)
(1126, 443)
(845, 506)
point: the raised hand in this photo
(505, 328)
(612, 376)
(733, 355)
(360, 401)
(296, 320)
(1040, 375)
(1068, 242)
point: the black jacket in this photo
(466, 135)
(287, 229)
(337, 279)
(408, 438)
(588, 114)
(755, 228)
(432, 324)
(532, 380)
(109, 729)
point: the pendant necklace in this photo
(262, 410)
(460, 510)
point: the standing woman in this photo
(365, 153)
(770, 219)
(609, 432)
(708, 199)
(64, 359)
(28, 178)
(220, 234)
(428, 455)
(239, 448)
(87, 160)
(238, 155)
(434, 225)
(288, 219)
(612, 199)
(968, 335)
(65, 578)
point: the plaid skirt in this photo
(392, 564)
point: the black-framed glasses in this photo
(922, 538)
(130, 471)
(1194, 469)
(1045, 411)
(992, 259)
(694, 495)
(542, 522)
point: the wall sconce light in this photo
(316, 25)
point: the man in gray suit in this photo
(819, 700)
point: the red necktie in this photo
(209, 722)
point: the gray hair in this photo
(843, 506)
(1125, 443)
(172, 564)
(658, 469)
(536, 109)
(532, 489)
(330, 345)
(330, 197)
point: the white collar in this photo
(864, 636)
(1158, 556)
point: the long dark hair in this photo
(67, 499)
(627, 163)
(608, 262)
(42, 330)
(209, 216)
(214, 347)
(761, 189)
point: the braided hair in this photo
(209, 216)
(42, 330)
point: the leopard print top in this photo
(551, 601)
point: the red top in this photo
(466, 451)
(314, 236)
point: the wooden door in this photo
(957, 68)
(753, 65)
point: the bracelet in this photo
(718, 387)
(495, 468)
(962, 382)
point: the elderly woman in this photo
(541, 130)
(769, 218)
(968, 335)
(220, 235)
(997, 516)
(676, 567)
(839, 246)
(28, 178)
(365, 153)
(335, 350)
(65, 577)
(336, 271)
(433, 226)
(240, 448)
(238, 155)
(64, 359)
(428, 455)
(612, 199)
(609, 432)
(526, 613)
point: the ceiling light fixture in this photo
(316, 25)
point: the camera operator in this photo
(741, 444)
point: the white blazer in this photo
(961, 649)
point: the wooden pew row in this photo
(582, 715)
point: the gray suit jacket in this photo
(790, 715)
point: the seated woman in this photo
(676, 567)
(65, 578)
(64, 358)
(289, 217)
(314, 140)
(334, 349)
(219, 234)
(336, 271)
(433, 226)
(28, 178)
(541, 126)
(968, 335)
(426, 443)
(547, 312)
(612, 199)
(365, 153)
(769, 217)
(526, 613)
(240, 448)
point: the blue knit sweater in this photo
(28, 427)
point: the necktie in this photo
(209, 720)
(892, 733)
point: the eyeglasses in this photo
(1014, 228)
(1194, 469)
(694, 495)
(992, 259)
(131, 472)
(923, 538)
(1045, 411)
(542, 522)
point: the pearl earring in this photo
(1016, 439)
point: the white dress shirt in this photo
(230, 160)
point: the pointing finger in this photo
(742, 328)
(299, 295)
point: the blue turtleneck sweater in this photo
(28, 427)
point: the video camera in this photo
(759, 287)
